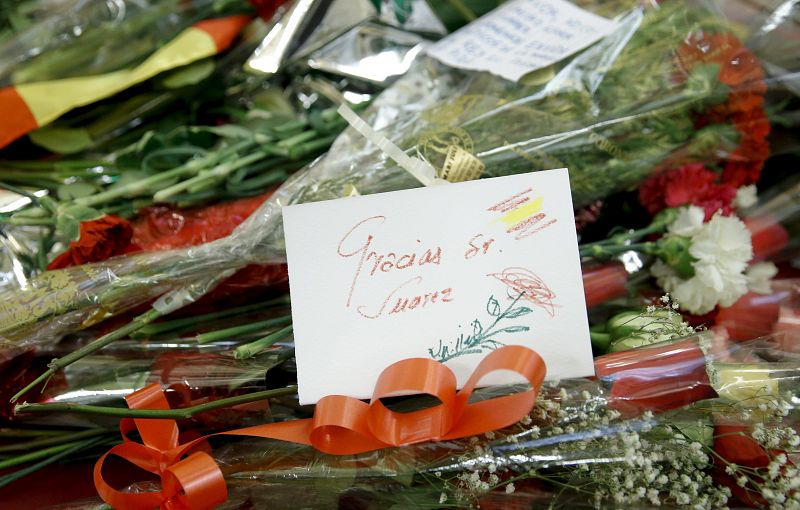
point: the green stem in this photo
(154, 181)
(38, 454)
(463, 10)
(303, 149)
(4, 433)
(627, 237)
(167, 326)
(215, 174)
(224, 334)
(173, 414)
(251, 349)
(603, 252)
(19, 191)
(57, 440)
(20, 473)
(57, 364)
(299, 138)
(44, 222)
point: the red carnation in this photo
(99, 240)
(718, 199)
(740, 68)
(691, 184)
(744, 101)
(687, 185)
(740, 171)
(651, 194)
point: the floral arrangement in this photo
(157, 258)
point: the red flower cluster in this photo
(161, 228)
(99, 239)
(691, 184)
(741, 71)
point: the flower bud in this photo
(673, 250)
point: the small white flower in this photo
(759, 276)
(510, 488)
(746, 196)
(442, 498)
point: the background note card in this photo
(447, 272)
(521, 36)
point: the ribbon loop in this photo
(160, 434)
(340, 426)
(409, 377)
(499, 412)
(197, 483)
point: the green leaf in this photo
(477, 328)
(80, 212)
(48, 203)
(493, 307)
(62, 140)
(189, 75)
(516, 312)
(74, 190)
(69, 227)
(514, 329)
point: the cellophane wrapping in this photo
(698, 421)
(672, 83)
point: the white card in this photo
(447, 272)
(521, 36)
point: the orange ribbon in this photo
(340, 426)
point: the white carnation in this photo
(759, 277)
(722, 248)
(746, 196)
(688, 222)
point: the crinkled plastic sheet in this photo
(80, 37)
(190, 375)
(644, 401)
(585, 113)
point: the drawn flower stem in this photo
(481, 339)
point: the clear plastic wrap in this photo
(758, 314)
(79, 38)
(775, 223)
(698, 96)
(190, 374)
(676, 424)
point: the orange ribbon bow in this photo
(341, 425)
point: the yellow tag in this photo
(49, 100)
(460, 165)
(747, 385)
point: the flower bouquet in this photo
(584, 117)
(694, 421)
